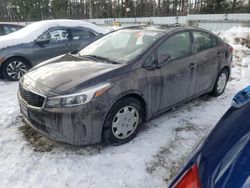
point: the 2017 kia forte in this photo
(40, 41)
(107, 90)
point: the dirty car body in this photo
(128, 75)
(223, 158)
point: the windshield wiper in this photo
(101, 58)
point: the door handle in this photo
(218, 54)
(191, 65)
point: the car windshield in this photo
(121, 46)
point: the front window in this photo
(177, 46)
(57, 35)
(121, 46)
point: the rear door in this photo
(208, 60)
(81, 37)
(58, 43)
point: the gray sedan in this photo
(107, 90)
(21, 50)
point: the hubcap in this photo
(125, 122)
(221, 82)
(16, 69)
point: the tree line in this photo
(33, 10)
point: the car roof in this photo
(12, 24)
(165, 28)
(68, 23)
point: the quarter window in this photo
(9, 29)
(56, 35)
(177, 46)
(81, 34)
(203, 41)
(214, 41)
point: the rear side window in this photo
(203, 41)
(177, 46)
(81, 34)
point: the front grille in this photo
(31, 98)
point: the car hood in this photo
(68, 74)
(6, 41)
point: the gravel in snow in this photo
(150, 160)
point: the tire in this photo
(121, 119)
(220, 83)
(14, 68)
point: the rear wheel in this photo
(123, 121)
(14, 68)
(220, 83)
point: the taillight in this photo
(190, 179)
(231, 49)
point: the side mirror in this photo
(42, 41)
(158, 60)
(75, 52)
(162, 57)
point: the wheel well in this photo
(133, 95)
(21, 57)
(227, 69)
(140, 99)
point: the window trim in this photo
(53, 29)
(166, 37)
(210, 36)
(83, 28)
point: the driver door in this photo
(177, 74)
(55, 42)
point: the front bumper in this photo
(69, 125)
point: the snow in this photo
(150, 160)
(239, 39)
(34, 30)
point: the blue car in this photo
(222, 160)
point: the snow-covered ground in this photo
(150, 160)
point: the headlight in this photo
(80, 98)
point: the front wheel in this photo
(14, 68)
(123, 121)
(220, 83)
